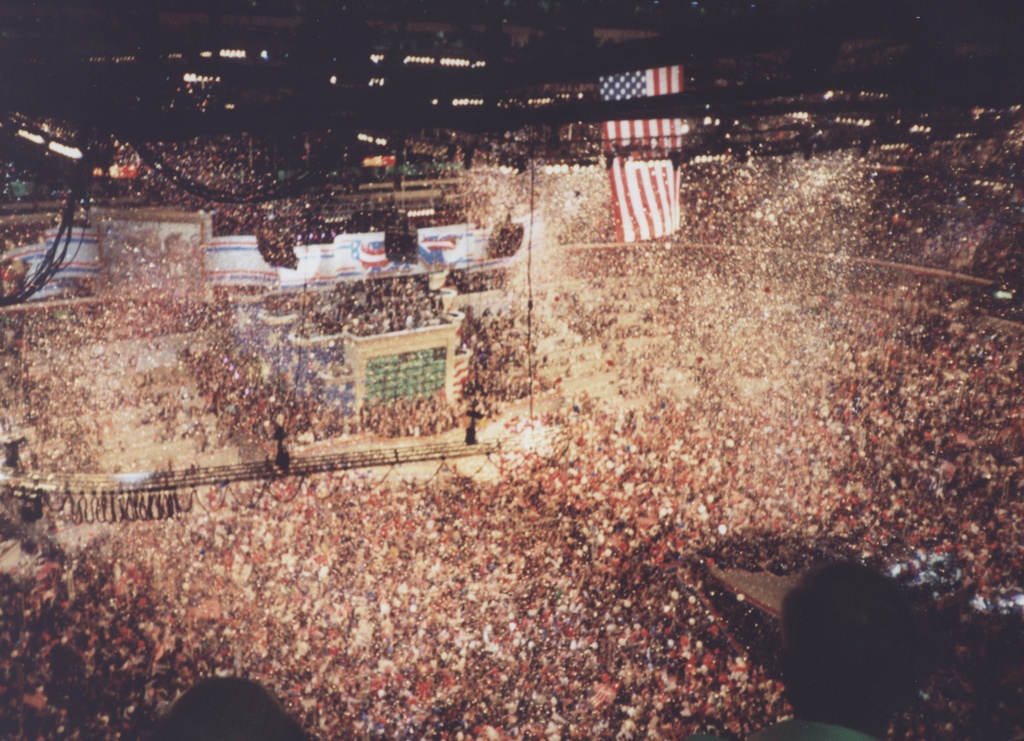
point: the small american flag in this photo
(645, 197)
(604, 693)
(643, 83)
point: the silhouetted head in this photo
(227, 709)
(849, 647)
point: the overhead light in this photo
(34, 138)
(372, 140)
(63, 149)
(193, 77)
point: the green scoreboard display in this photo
(420, 373)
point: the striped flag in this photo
(655, 133)
(645, 196)
(460, 372)
(604, 693)
(645, 83)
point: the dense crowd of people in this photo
(477, 281)
(377, 307)
(568, 597)
(246, 389)
(750, 393)
(499, 371)
(844, 204)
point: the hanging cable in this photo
(190, 497)
(295, 494)
(290, 187)
(443, 466)
(529, 285)
(383, 479)
(482, 466)
(255, 500)
(208, 506)
(56, 252)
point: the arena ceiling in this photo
(176, 69)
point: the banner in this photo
(459, 246)
(309, 272)
(371, 251)
(348, 256)
(81, 263)
(236, 261)
(478, 244)
(444, 245)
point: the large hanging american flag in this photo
(654, 133)
(645, 197)
(643, 83)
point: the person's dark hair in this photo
(849, 647)
(227, 709)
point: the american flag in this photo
(655, 133)
(643, 83)
(645, 196)
(604, 693)
(460, 373)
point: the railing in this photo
(56, 485)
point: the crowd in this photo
(499, 370)
(65, 410)
(930, 214)
(373, 307)
(749, 395)
(251, 375)
(568, 597)
(19, 233)
(468, 281)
